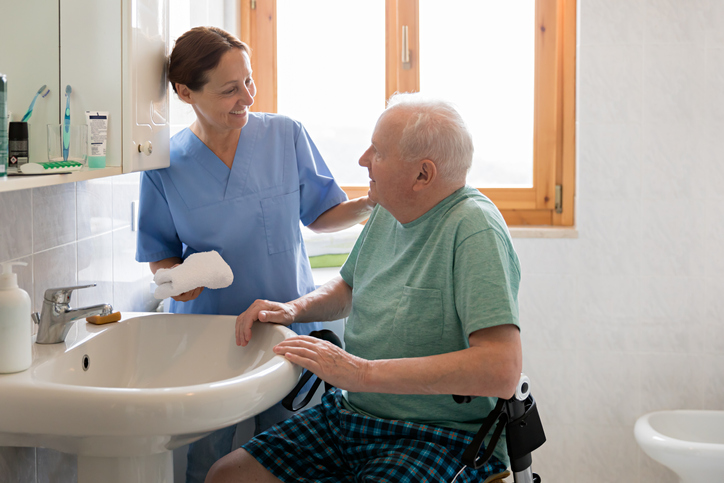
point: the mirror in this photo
(29, 57)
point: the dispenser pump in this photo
(8, 279)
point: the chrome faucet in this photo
(57, 316)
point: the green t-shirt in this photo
(421, 289)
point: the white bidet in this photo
(688, 442)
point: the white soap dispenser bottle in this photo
(16, 331)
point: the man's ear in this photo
(184, 93)
(426, 175)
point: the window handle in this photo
(405, 49)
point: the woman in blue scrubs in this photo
(239, 183)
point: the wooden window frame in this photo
(551, 199)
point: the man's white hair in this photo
(434, 131)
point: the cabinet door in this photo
(145, 41)
(90, 63)
(114, 58)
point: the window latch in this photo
(559, 199)
(405, 49)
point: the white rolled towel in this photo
(204, 269)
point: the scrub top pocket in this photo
(281, 222)
(419, 317)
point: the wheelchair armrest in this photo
(524, 430)
(288, 401)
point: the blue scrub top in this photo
(249, 214)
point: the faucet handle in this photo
(62, 295)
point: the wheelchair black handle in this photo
(524, 432)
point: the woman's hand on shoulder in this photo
(370, 202)
(343, 215)
(262, 311)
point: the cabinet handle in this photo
(146, 148)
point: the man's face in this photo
(391, 178)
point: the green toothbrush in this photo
(66, 124)
(43, 91)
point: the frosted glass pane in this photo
(480, 54)
(331, 76)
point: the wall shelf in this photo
(13, 183)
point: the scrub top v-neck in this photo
(249, 214)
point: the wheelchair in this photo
(518, 416)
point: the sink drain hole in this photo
(86, 362)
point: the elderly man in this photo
(430, 289)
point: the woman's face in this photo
(223, 103)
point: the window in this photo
(339, 111)
(509, 67)
(184, 15)
(491, 87)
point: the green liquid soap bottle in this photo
(3, 126)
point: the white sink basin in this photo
(122, 392)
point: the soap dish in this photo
(52, 167)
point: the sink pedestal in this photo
(156, 467)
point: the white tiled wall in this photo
(71, 234)
(626, 319)
(77, 233)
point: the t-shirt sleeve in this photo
(157, 238)
(318, 191)
(486, 277)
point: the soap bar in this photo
(104, 319)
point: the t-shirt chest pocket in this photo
(419, 317)
(281, 222)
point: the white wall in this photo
(629, 318)
(626, 319)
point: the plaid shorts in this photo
(328, 443)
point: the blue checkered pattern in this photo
(328, 443)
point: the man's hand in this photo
(262, 311)
(329, 362)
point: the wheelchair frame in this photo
(517, 415)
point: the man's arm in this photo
(331, 301)
(341, 216)
(491, 366)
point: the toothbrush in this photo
(43, 91)
(66, 124)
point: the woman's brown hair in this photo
(197, 52)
